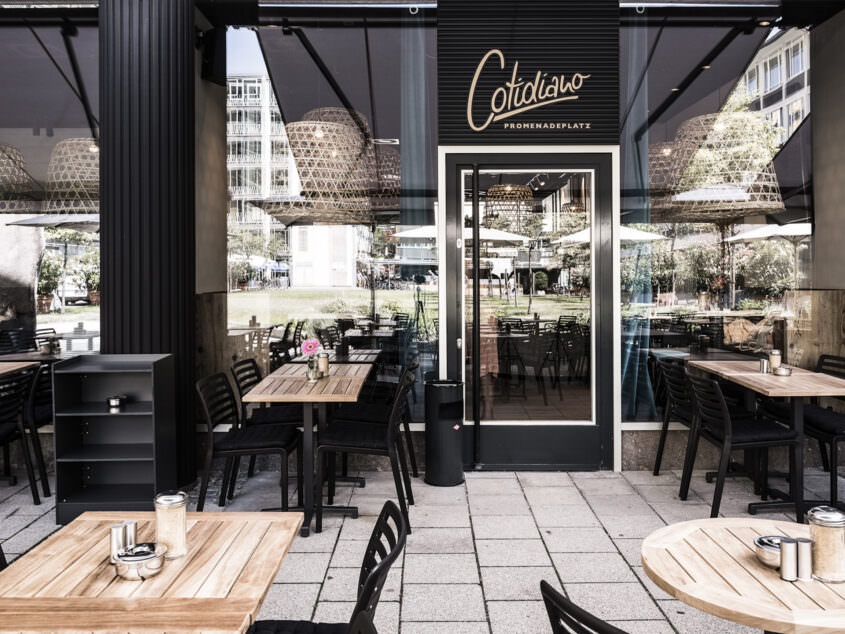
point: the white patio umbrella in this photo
(626, 234)
(429, 232)
(89, 223)
(795, 233)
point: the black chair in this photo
(15, 418)
(40, 410)
(386, 544)
(220, 407)
(296, 342)
(730, 431)
(247, 374)
(679, 402)
(379, 412)
(3, 562)
(823, 424)
(567, 618)
(368, 438)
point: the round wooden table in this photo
(710, 564)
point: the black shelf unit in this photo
(113, 460)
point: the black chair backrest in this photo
(386, 543)
(297, 333)
(833, 365)
(400, 402)
(675, 380)
(567, 618)
(15, 390)
(218, 403)
(363, 624)
(44, 334)
(710, 404)
(247, 375)
(288, 329)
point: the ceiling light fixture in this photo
(676, 90)
(765, 23)
(705, 67)
(94, 148)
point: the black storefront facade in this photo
(516, 94)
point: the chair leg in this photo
(30, 471)
(409, 441)
(406, 478)
(251, 471)
(224, 486)
(236, 466)
(764, 473)
(39, 460)
(283, 484)
(689, 460)
(331, 472)
(344, 464)
(318, 501)
(206, 474)
(3, 563)
(823, 452)
(299, 472)
(661, 445)
(7, 466)
(834, 473)
(400, 494)
(720, 479)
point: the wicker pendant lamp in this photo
(16, 186)
(73, 178)
(507, 207)
(389, 172)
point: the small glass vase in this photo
(312, 374)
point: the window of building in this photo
(279, 147)
(280, 179)
(795, 59)
(795, 114)
(751, 82)
(773, 73)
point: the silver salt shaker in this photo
(805, 559)
(764, 366)
(131, 534)
(118, 542)
(788, 559)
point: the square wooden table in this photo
(67, 584)
(354, 356)
(11, 367)
(801, 385)
(288, 384)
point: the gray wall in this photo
(828, 111)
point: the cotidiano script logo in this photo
(518, 95)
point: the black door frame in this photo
(540, 447)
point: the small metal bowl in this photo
(783, 370)
(141, 561)
(767, 549)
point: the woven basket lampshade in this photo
(73, 178)
(719, 171)
(355, 120)
(16, 186)
(661, 166)
(389, 172)
(506, 206)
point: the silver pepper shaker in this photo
(131, 534)
(118, 542)
(805, 559)
(788, 559)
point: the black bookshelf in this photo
(113, 460)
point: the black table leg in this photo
(318, 486)
(307, 483)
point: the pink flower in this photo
(310, 346)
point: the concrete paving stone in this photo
(592, 567)
(431, 568)
(570, 515)
(9, 526)
(552, 496)
(647, 477)
(630, 549)
(662, 493)
(635, 526)
(387, 614)
(511, 552)
(504, 527)
(604, 486)
(577, 540)
(614, 601)
(442, 602)
(323, 542)
(304, 568)
(618, 505)
(518, 617)
(341, 584)
(644, 627)
(368, 504)
(35, 533)
(290, 602)
(349, 553)
(473, 475)
(674, 513)
(516, 583)
(440, 540)
(498, 505)
(545, 479)
(688, 620)
(652, 587)
(466, 627)
(493, 486)
(588, 475)
(360, 527)
(441, 495)
(439, 516)
(21, 504)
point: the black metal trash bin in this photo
(444, 423)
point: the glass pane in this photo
(535, 297)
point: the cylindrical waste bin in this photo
(444, 423)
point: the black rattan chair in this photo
(567, 618)
(679, 402)
(3, 562)
(730, 431)
(369, 438)
(15, 418)
(220, 407)
(386, 544)
(40, 412)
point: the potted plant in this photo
(49, 275)
(87, 272)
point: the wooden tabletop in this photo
(288, 384)
(40, 357)
(354, 356)
(802, 383)
(10, 367)
(711, 354)
(710, 564)
(357, 332)
(66, 583)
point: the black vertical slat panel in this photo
(147, 191)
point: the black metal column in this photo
(147, 191)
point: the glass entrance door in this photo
(528, 259)
(532, 301)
